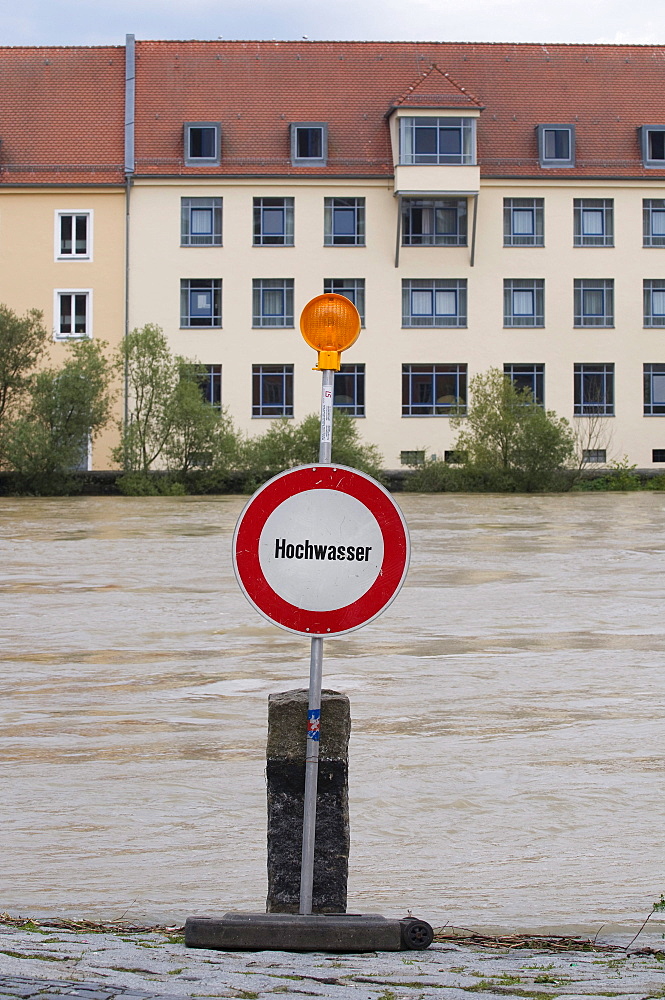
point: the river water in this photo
(507, 760)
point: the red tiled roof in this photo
(62, 109)
(62, 115)
(256, 89)
(436, 89)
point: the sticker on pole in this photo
(321, 550)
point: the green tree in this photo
(509, 442)
(201, 436)
(286, 444)
(151, 376)
(22, 344)
(169, 421)
(66, 407)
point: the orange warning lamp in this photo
(330, 323)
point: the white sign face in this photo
(321, 550)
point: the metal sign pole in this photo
(315, 679)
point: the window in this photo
(594, 302)
(556, 145)
(658, 455)
(531, 377)
(349, 390)
(434, 302)
(200, 302)
(654, 302)
(202, 144)
(351, 288)
(73, 235)
(272, 303)
(455, 457)
(652, 143)
(73, 310)
(437, 140)
(523, 222)
(653, 222)
(439, 222)
(344, 222)
(272, 390)
(412, 457)
(210, 382)
(82, 462)
(593, 222)
(654, 390)
(594, 455)
(273, 222)
(433, 390)
(594, 390)
(309, 144)
(523, 302)
(200, 222)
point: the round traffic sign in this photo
(321, 550)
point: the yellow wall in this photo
(158, 263)
(30, 274)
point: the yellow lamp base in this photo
(328, 361)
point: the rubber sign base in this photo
(337, 932)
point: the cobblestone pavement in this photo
(157, 966)
(27, 989)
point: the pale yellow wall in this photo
(158, 263)
(29, 272)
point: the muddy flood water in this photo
(507, 760)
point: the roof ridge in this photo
(381, 41)
(409, 92)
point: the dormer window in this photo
(556, 145)
(309, 144)
(202, 144)
(652, 141)
(437, 141)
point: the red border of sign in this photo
(321, 477)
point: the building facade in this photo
(62, 197)
(483, 205)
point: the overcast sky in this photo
(95, 22)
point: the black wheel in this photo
(416, 934)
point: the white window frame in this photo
(60, 213)
(86, 456)
(57, 335)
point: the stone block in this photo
(287, 736)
